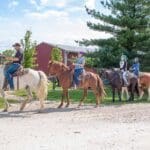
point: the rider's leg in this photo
(125, 77)
(75, 77)
(8, 74)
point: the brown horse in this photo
(65, 76)
(144, 81)
(116, 82)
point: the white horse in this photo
(32, 81)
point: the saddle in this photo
(20, 72)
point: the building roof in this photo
(75, 49)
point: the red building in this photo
(44, 50)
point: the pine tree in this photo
(29, 50)
(128, 23)
(56, 54)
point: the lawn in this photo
(75, 96)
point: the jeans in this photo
(8, 74)
(125, 77)
(77, 73)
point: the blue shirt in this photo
(136, 68)
(80, 61)
(18, 55)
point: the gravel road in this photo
(115, 127)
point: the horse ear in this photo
(50, 62)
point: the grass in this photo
(75, 96)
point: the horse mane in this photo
(64, 67)
(60, 64)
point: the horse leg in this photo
(119, 95)
(68, 100)
(132, 91)
(125, 90)
(84, 97)
(5, 101)
(113, 92)
(148, 94)
(122, 92)
(29, 98)
(97, 97)
(141, 94)
(62, 99)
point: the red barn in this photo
(43, 53)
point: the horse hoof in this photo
(97, 106)
(5, 110)
(79, 106)
(40, 111)
(67, 106)
(60, 106)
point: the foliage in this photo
(56, 54)
(9, 53)
(29, 50)
(128, 24)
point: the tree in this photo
(9, 53)
(128, 22)
(29, 50)
(56, 54)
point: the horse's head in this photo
(104, 74)
(56, 68)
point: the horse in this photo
(144, 81)
(65, 76)
(115, 80)
(32, 81)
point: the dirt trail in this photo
(123, 127)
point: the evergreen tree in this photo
(128, 23)
(29, 50)
(56, 54)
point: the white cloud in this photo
(75, 9)
(46, 14)
(90, 3)
(45, 3)
(56, 3)
(13, 4)
(35, 4)
(49, 25)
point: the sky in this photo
(53, 21)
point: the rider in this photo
(14, 66)
(136, 67)
(123, 68)
(79, 67)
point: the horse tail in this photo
(100, 87)
(42, 90)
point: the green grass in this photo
(10, 101)
(75, 96)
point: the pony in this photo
(144, 81)
(32, 81)
(115, 80)
(89, 80)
